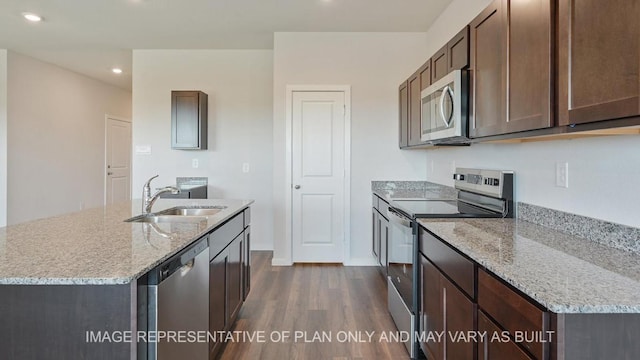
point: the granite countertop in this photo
(412, 190)
(564, 273)
(96, 246)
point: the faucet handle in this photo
(148, 183)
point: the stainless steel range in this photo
(481, 194)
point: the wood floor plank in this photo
(321, 300)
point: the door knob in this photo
(297, 187)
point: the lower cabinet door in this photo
(459, 312)
(384, 244)
(431, 315)
(217, 298)
(246, 263)
(375, 246)
(234, 277)
(496, 345)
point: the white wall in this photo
(373, 64)
(3, 137)
(604, 173)
(239, 85)
(56, 130)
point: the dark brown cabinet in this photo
(218, 298)
(598, 60)
(444, 308)
(419, 81)
(496, 345)
(403, 111)
(189, 113)
(414, 109)
(425, 75)
(439, 64)
(228, 269)
(246, 263)
(431, 317)
(513, 312)
(380, 233)
(511, 68)
(458, 51)
(453, 56)
(234, 277)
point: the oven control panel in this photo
(495, 183)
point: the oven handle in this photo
(398, 218)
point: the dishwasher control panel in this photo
(183, 258)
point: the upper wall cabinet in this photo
(439, 68)
(403, 110)
(189, 120)
(511, 68)
(419, 81)
(598, 60)
(458, 51)
(453, 56)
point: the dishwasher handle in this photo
(183, 262)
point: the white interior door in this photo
(318, 173)
(118, 172)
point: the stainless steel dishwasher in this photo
(177, 302)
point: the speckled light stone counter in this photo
(96, 246)
(564, 273)
(390, 190)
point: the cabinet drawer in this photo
(513, 312)
(247, 217)
(493, 346)
(222, 236)
(383, 208)
(451, 263)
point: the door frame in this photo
(290, 89)
(106, 144)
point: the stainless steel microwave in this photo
(444, 109)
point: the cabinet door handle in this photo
(297, 187)
(109, 173)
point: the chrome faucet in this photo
(148, 199)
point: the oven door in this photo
(443, 109)
(400, 255)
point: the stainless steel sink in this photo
(179, 214)
(155, 218)
(192, 211)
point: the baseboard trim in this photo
(261, 247)
(281, 262)
(366, 261)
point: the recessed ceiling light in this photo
(116, 71)
(32, 17)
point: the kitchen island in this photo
(65, 276)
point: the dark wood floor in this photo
(312, 298)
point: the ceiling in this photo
(91, 37)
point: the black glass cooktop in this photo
(439, 209)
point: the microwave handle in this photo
(447, 121)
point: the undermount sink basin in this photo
(192, 211)
(179, 214)
(153, 218)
